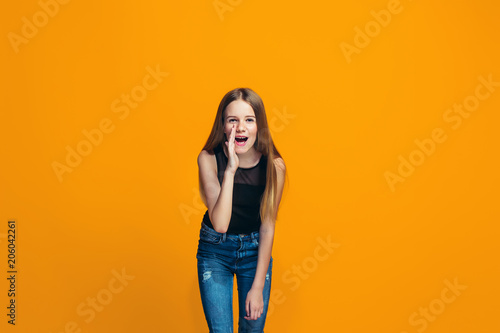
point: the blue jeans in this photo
(220, 256)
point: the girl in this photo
(241, 180)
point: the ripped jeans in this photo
(219, 257)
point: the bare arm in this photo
(266, 233)
(254, 302)
(219, 197)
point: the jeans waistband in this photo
(251, 236)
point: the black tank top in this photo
(248, 188)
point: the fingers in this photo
(233, 135)
(254, 305)
(253, 312)
(230, 139)
(231, 148)
(254, 316)
(247, 308)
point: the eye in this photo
(250, 119)
(230, 120)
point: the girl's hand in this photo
(254, 304)
(233, 160)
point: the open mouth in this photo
(241, 141)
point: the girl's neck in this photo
(246, 160)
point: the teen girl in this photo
(241, 180)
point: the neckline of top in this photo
(252, 167)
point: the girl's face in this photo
(241, 115)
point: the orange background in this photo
(340, 123)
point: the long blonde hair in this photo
(264, 144)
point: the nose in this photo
(240, 127)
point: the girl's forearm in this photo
(266, 239)
(221, 213)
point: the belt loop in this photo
(223, 237)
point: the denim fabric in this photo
(219, 257)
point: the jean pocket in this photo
(209, 238)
